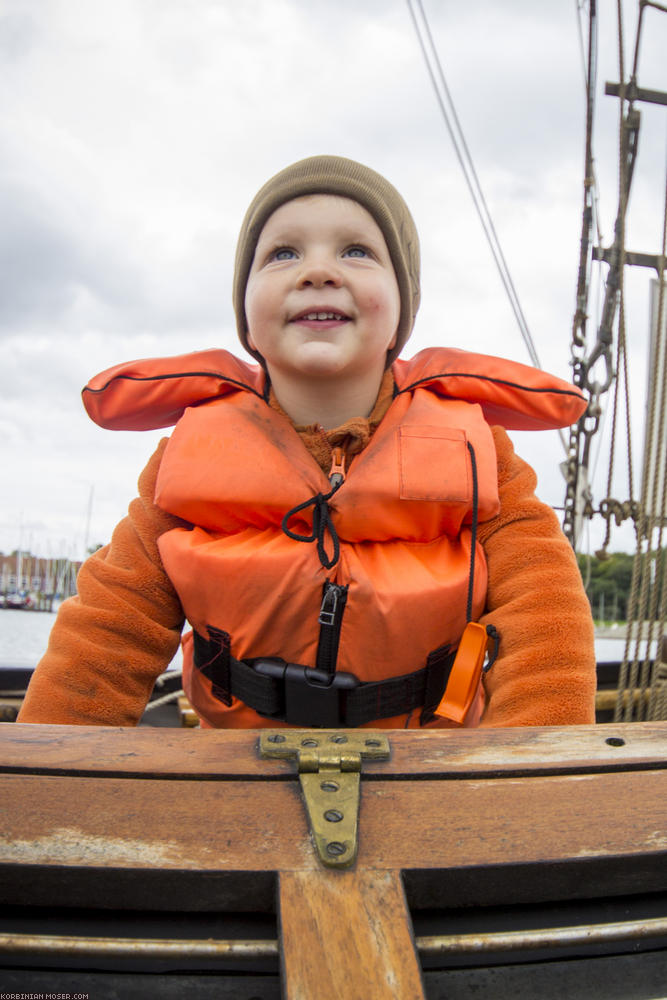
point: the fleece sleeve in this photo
(545, 672)
(110, 642)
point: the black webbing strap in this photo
(383, 699)
(302, 696)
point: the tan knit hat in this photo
(349, 179)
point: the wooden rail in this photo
(106, 821)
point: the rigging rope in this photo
(642, 689)
(450, 117)
(578, 498)
(624, 187)
(577, 494)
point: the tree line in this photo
(608, 583)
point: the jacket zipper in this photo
(337, 470)
(334, 598)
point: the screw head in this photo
(276, 738)
(334, 848)
(329, 786)
(338, 738)
(333, 815)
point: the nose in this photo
(319, 270)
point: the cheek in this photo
(250, 301)
(391, 299)
(384, 312)
(391, 305)
(383, 301)
(254, 312)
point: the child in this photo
(333, 523)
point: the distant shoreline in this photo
(611, 631)
(620, 631)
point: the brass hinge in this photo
(329, 766)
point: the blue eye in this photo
(283, 253)
(356, 251)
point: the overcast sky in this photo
(133, 134)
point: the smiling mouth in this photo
(321, 316)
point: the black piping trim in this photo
(157, 378)
(473, 531)
(487, 378)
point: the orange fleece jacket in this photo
(111, 642)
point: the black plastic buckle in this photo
(312, 697)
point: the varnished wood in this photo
(214, 754)
(605, 700)
(196, 820)
(131, 823)
(186, 713)
(347, 934)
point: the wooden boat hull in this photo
(173, 840)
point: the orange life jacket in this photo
(374, 579)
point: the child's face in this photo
(322, 298)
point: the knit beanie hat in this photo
(348, 179)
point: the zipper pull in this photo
(337, 470)
(329, 605)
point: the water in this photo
(611, 650)
(24, 635)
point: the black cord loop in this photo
(321, 524)
(492, 633)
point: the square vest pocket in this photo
(434, 464)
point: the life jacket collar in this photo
(154, 392)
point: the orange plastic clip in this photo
(465, 674)
(337, 470)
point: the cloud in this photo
(134, 134)
(18, 32)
